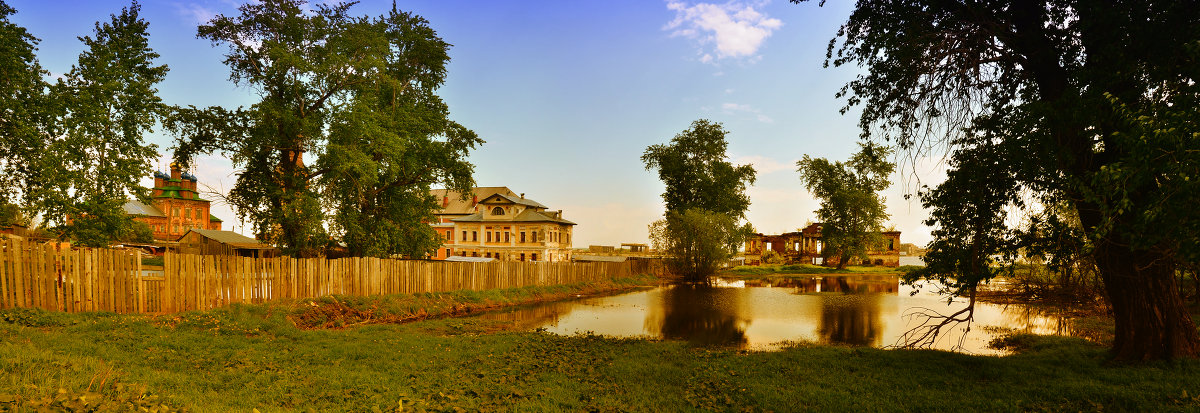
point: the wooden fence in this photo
(44, 276)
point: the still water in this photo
(860, 310)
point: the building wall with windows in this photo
(494, 222)
(806, 247)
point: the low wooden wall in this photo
(43, 276)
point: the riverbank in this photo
(249, 356)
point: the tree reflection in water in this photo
(700, 314)
(850, 309)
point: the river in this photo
(863, 310)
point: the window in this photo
(522, 240)
(506, 235)
(489, 237)
(474, 236)
(497, 236)
(534, 257)
(464, 237)
(175, 211)
(497, 211)
(522, 256)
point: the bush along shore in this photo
(349, 354)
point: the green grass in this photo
(252, 356)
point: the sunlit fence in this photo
(36, 275)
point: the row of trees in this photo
(706, 200)
(353, 96)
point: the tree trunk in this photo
(1152, 321)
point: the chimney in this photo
(474, 199)
(522, 195)
(445, 201)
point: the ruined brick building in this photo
(805, 247)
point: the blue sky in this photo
(568, 94)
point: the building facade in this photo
(175, 207)
(805, 247)
(495, 222)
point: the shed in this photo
(217, 242)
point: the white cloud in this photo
(723, 31)
(744, 109)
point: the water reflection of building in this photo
(879, 284)
(699, 314)
(805, 247)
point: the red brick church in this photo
(175, 206)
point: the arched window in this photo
(497, 211)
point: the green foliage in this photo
(705, 198)
(771, 257)
(95, 157)
(1047, 106)
(359, 94)
(23, 104)
(697, 242)
(851, 212)
(696, 173)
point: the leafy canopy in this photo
(705, 198)
(95, 155)
(357, 95)
(851, 212)
(1043, 106)
(696, 174)
(22, 123)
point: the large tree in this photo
(22, 119)
(851, 212)
(705, 199)
(1092, 105)
(354, 94)
(93, 160)
(696, 173)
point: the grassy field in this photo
(269, 358)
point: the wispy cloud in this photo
(745, 110)
(764, 165)
(723, 31)
(195, 13)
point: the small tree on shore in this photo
(851, 211)
(705, 199)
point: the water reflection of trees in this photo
(700, 314)
(854, 316)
